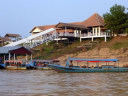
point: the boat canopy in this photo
(93, 60)
(14, 61)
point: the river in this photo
(51, 83)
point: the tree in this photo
(126, 24)
(116, 19)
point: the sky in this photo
(21, 16)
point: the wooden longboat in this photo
(77, 69)
(40, 64)
(15, 65)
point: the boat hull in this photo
(15, 68)
(63, 69)
(44, 68)
(2, 66)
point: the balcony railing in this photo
(84, 35)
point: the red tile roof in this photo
(94, 20)
(43, 27)
(70, 26)
(46, 27)
(49, 26)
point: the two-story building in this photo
(93, 27)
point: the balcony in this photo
(85, 35)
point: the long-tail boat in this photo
(98, 65)
(40, 64)
(15, 65)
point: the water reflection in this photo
(49, 82)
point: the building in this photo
(93, 27)
(4, 41)
(11, 52)
(13, 37)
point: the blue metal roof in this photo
(79, 59)
(5, 50)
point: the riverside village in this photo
(58, 48)
(69, 47)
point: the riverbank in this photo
(117, 48)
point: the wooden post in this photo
(115, 64)
(4, 59)
(96, 31)
(105, 38)
(65, 29)
(55, 33)
(59, 62)
(87, 64)
(93, 31)
(14, 56)
(75, 32)
(9, 59)
(80, 33)
(99, 31)
(80, 39)
(47, 43)
(31, 57)
(118, 64)
(9, 56)
(26, 57)
(92, 38)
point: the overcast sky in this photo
(20, 16)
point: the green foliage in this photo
(117, 45)
(53, 50)
(116, 20)
(126, 31)
(110, 38)
(56, 46)
(120, 44)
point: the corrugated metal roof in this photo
(12, 35)
(5, 50)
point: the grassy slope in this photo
(53, 50)
(115, 43)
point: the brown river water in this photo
(51, 83)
